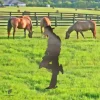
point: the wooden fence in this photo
(57, 18)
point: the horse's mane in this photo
(70, 29)
(51, 30)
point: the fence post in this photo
(86, 16)
(97, 18)
(35, 14)
(74, 18)
(36, 21)
(90, 18)
(55, 21)
(61, 16)
(48, 14)
(10, 14)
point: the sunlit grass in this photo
(20, 58)
(19, 67)
(46, 9)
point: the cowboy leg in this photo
(55, 62)
(53, 82)
(52, 68)
(45, 61)
(61, 69)
(55, 68)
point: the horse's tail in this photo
(9, 26)
(94, 31)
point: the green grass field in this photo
(43, 9)
(20, 73)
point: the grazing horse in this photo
(45, 21)
(52, 55)
(80, 26)
(23, 22)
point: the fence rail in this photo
(57, 18)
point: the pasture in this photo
(43, 9)
(20, 58)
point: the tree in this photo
(1, 2)
(64, 3)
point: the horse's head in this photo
(30, 34)
(67, 35)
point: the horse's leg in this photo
(41, 29)
(42, 32)
(29, 32)
(14, 30)
(9, 33)
(77, 35)
(25, 33)
(82, 34)
(94, 32)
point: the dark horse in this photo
(23, 22)
(80, 26)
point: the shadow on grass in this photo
(92, 96)
(2, 37)
(17, 37)
(37, 37)
(42, 90)
(35, 85)
(21, 37)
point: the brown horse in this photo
(80, 26)
(45, 21)
(23, 22)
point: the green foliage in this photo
(65, 3)
(96, 8)
(1, 2)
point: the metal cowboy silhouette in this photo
(50, 60)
